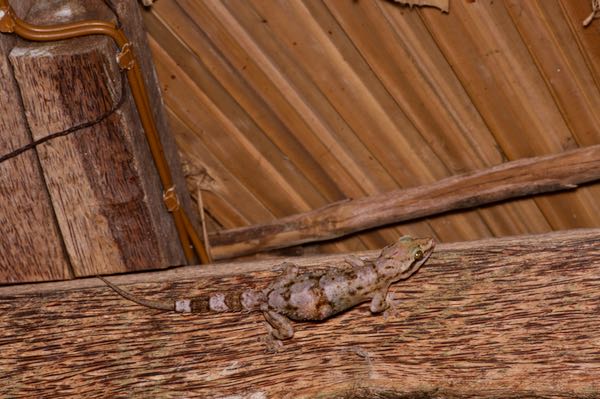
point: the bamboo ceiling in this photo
(281, 107)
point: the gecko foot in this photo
(286, 268)
(354, 260)
(272, 344)
(393, 308)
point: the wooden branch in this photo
(509, 180)
(510, 317)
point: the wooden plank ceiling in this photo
(281, 107)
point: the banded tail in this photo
(231, 302)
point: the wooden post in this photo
(102, 180)
(30, 243)
(509, 317)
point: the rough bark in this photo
(102, 180)
(509, 180)
(30, 244)
(509, 317)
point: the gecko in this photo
(311, 296)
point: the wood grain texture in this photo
(509, 180)
(226, 141)
(407, 60)
(343, 79)
(497, 58)
(358, 98)
(102, 179)
(31, 245)
(510, 317)
(238, 80)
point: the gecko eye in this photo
(418, 255)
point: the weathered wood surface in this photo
(102, 179)
(509, 317)
(360, 111)
(30, 243)
(509, 180)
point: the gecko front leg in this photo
(379, 302)
(289, 272)
(384, 301)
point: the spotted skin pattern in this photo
(313, 296)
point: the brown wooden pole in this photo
(509, 317)
(502, 182)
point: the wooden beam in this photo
(31, 246)
(502, 182)
(102, 179)
(508, 317)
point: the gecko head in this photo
(404, 257)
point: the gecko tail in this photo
(159, 305)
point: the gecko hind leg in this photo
(393, 308)
(281, 326)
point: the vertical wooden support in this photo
(131, 17)
(129, 12)
(30, 242)
(102, 181)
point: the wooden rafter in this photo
(509, 317)
(509, 180)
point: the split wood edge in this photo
(509, 180)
